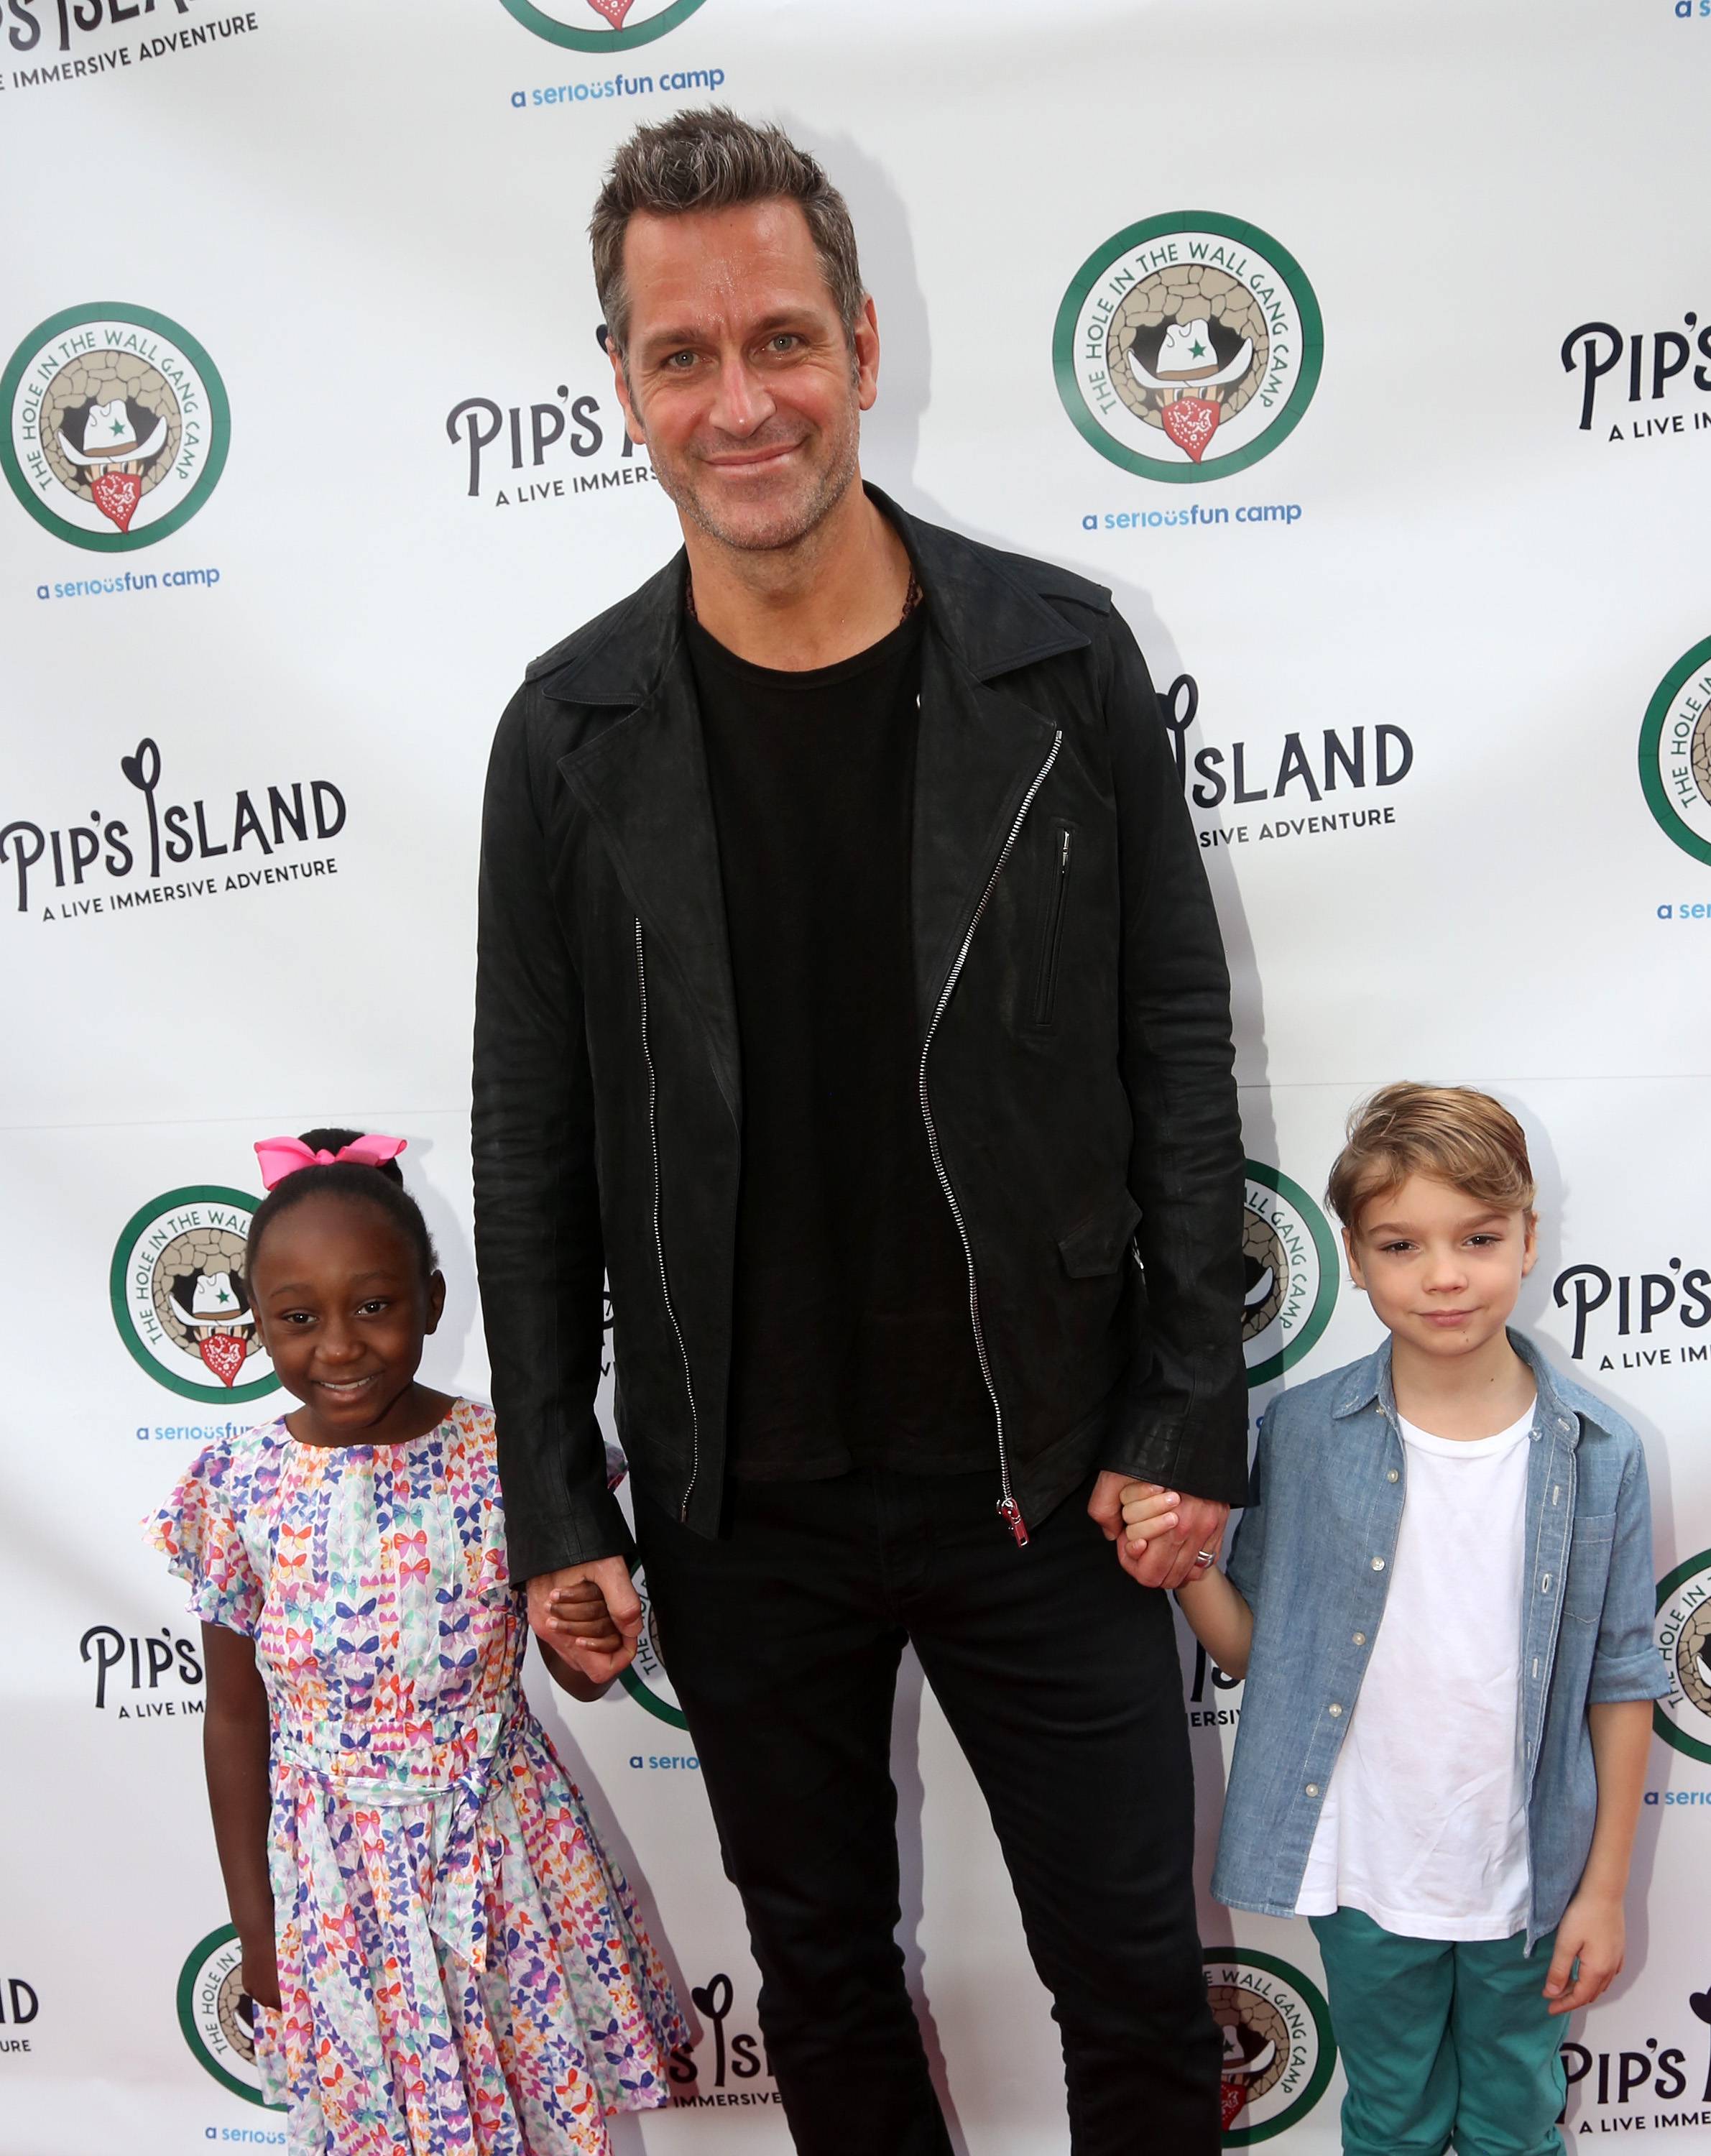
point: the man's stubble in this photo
(786, 523)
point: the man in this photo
(851, 1000)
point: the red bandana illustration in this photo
(116, 495)
(614, 11)
(223, 1354)
(1190, 422)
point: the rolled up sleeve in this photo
(1625, 1662)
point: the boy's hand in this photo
(1592, 1930)
(261, 1971)
(1167, 1555)
(1148, 1511)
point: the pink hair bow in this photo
(283, 1157)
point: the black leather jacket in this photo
(1071, 1006)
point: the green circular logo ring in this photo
(651, 1701)
(640, 1676)
(1668, 819)
(1304, 1335)
(119, 1282)
(1070, 390)
(1324, 2064)
(600, 41)
(1672, 1733)
(213, 462)
(190, 2023)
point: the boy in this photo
(1441, 1594)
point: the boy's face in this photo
(1443, 1270)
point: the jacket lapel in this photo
(645, 783)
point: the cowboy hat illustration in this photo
(1188, 355)
(216, 1301)
(1187, 365)
(1237, 2064)
(112, 449)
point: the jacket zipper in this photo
(641, 982)
(1009, 1511)
(1046, 993)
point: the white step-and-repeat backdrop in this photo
(309, 444)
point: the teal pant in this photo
(1445, 2043)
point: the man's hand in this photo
(555, 1620)
(1169, 1559)
(1592, 1932)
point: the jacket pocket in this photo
(1052, 925)
(1095, 1245)
(1589, 1568)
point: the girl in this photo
(441, 1957)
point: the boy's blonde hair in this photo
(1449, 1132)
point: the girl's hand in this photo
(1148, 1510)
(261, 1971)
(1591, 1932)
(581, 1609)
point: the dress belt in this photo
(457, 1909)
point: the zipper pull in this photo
(1011, 1512)
(1063, 852)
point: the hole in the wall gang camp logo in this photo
(1675, 752)
(645, 1680)
(215, 2012)
(1278, 2048)
(1289, 1263)
(601, 26)
(1187, 347)
(1684, 1635)
(179, 1297)
(116, 426)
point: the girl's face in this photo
(343, 1309)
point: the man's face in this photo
(741, 380)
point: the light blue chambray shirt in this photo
(1312, 1555)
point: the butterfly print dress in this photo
(461, 1968)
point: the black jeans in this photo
(1059, 1676)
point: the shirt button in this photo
(1391, 1476)
(1312, 1789)
(1360, 1638)
(1378, 1564)
(1333, 1708)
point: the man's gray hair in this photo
(713, 160)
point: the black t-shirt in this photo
(851, 1334)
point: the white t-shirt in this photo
(1424, 1824)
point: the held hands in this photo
(589, 1616)
(1160, 1534)
(1592, 1932)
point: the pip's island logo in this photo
(1684, 1636)
(645, 1680)
(601, 26)
(1278, 2050)
(1675, 752)
(116, 426)
(179, 1297)
(218, 2017)
(1289, 1258)
(1187, 347)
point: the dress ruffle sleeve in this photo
(196, 1532)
